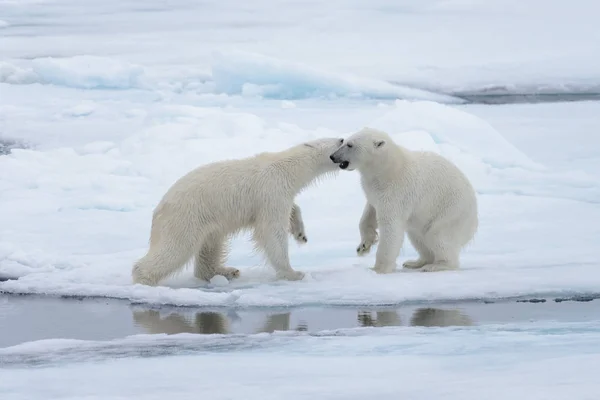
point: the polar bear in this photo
(206, 206)
(417, 192)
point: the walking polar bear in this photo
(203, 208)
(417, 192)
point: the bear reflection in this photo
(420, 317)
(207, 322)
(212, 322)
(382, 318)
(202, 322)
(439, 317)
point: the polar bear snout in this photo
(339, 159)
(336, 157)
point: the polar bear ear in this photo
(379, 143)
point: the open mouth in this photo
(344, 164)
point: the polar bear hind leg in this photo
(426, 256)
(210, 259)
(162, 260)
(172, 245)
(444, 248)
(446, 239)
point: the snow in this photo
(350, 364)
(236, 73)
(219, 280)
(104, 134)
(258, 75)
(81, 193)
(489, 46)
(452, 127)
(87, 72)
(103, 107)
(563, 336)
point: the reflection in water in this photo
(439, 317)
(277, 322)
(281, 322)
(211, 322)
(202, 322)
(382, 318)
(208, 322)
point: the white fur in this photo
(417, 192)
(203, 208)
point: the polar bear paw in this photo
(300, 237)
(228, 272)
(290, 275)
(365, 246)
(414, 264)
(383, 270)
(297, 231)
(435, 267)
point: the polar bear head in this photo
(360, 149)
(322, 149)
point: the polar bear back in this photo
(441, 190)
(235, 188)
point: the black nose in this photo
(332, 158)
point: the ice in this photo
(391, 340)
(452, 127)
(71, 198)
(234, 73)
(103, 105)
(83, 72)
(219, 280)
(528, 129)
(252, 74)
(88, 72)
(353, 364)
(14, 74)
(288, 104)
(7, 145)
(249, 75)
(479, 46)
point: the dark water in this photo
(27, 318)
(6, 145)
(533, 98)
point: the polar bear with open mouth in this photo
(415, 192)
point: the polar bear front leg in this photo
(271, 236)
(297, 225)
(391, 240)
(368, 230)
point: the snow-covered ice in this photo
(103, 105)
(84, 213)
(105, 130)
(495, 46)
(383, 363)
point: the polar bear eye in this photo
(341, 141)
(349, 145)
